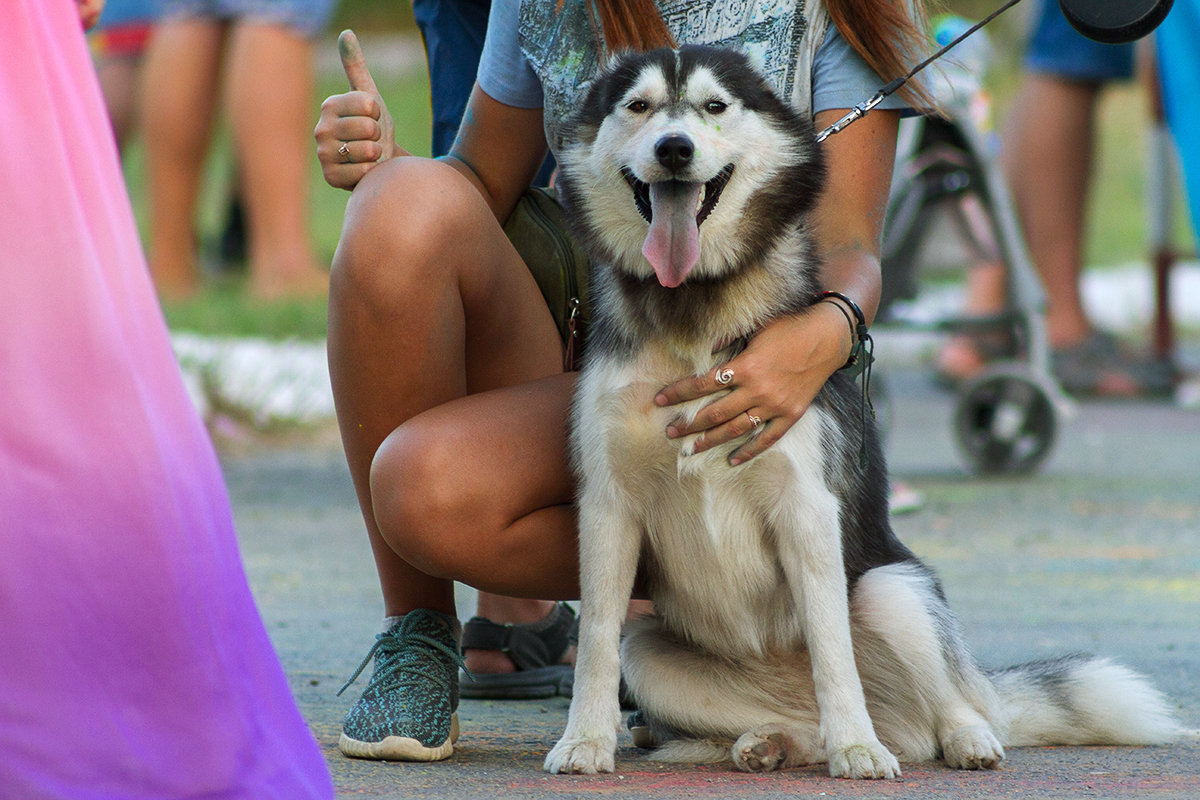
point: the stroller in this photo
(1006, 419)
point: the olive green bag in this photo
(538, 230)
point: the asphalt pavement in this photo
(1098, 551)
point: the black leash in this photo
(861, 110)
(862, 354)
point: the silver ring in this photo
(725, 376)
(755, 421)
(344, 152)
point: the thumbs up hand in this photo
(355, 131)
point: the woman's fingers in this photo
(355, 63)
(738, 426)
(351, 128)
(723, 377)
(769, 433)
(355, 130)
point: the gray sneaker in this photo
(409, 710)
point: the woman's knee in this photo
(401, 222)
(422, 505)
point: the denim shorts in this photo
(307, 18)
(1057, 49)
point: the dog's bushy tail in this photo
(694, 751)
(1081, 700)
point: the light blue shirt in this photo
(507, 73)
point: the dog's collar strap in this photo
(862, 356)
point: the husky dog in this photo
(791, 626)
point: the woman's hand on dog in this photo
(774, 379)
(355, 131)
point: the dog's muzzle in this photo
(708, 198)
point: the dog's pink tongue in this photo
(673, 245)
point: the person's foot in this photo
(958, 361)
(1100, 366)
(519, 661)
(965, 356)
(409, 710)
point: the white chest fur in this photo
(712, 530)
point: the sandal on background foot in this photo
(966, 355)
(536, 649)
(1100, 366)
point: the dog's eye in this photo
(714, 107)
(638, 106)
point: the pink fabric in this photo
(133, 663)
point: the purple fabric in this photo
(133, 662)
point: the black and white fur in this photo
(791, 627)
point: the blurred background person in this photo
(453, 32)
(1177, 47)
(118, 43)
(1047, 151)
(258, 53)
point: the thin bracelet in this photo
(849, 321)
(858, 333)
(862, 355)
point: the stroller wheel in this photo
(1005, 421)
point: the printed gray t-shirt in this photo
(538, 55)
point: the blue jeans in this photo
(1057, 49)
(453, 31)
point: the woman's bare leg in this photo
(478, 490)
(269, 82)
(428, 302)
(179, 93)
(1047, 158)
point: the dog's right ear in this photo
(608, 87)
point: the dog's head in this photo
(685, 164)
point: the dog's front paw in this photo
(871, 760)
(582, 756)
(972, 747)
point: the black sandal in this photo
(536, 649)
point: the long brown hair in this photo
(883, 32)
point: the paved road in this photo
(1100, 551)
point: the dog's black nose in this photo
(674, 152)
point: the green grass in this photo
(1116, 221)
(225, 309)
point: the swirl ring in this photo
(724, 376)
